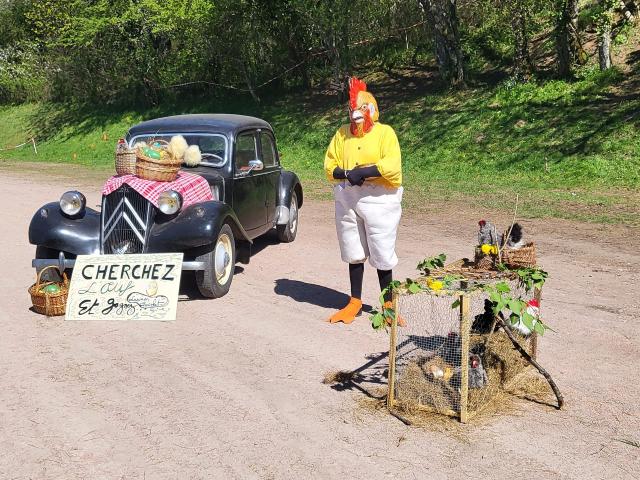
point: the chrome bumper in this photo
(282, 215)
(63, 263)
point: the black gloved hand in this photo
(339, 174)
(357, 176)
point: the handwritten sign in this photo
(125, 287)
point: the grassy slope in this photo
(569, 149)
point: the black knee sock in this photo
(356, 273)
(386, 277)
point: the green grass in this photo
(570, 150)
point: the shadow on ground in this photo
(312, 294)
(369, 379)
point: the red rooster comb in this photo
(482, 223)
(355, 86)
(533, 303)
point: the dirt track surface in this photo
(233, 388)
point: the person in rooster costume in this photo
(363, 161)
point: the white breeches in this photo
(367, 219)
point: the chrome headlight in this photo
(72, 203)
(169, 202)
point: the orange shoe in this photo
(349, 313)
(401, 322)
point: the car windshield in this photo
(212, 146)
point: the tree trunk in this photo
(567, 42)
(521, 58)
(443, 17)
(604, 47)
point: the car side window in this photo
(268, 150)
(245, 151)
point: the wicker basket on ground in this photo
(520, 257)
(47, 303)
(125, 160)
(164, 169)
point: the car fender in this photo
(53, 229)
(289, 182)
(194, 227)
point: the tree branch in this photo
(529, 359)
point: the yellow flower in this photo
(434, 285)
(489, 249)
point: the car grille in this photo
(126, 219)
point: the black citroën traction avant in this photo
(252, 195)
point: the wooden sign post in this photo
(125, 287)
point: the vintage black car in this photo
(253, 195)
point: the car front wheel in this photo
(287, 232)
(215, 280)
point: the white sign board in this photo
(125, 287)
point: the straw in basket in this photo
(50, 304)
(164, 169)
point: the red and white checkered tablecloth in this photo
(193, 188)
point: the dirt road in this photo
(233, 388)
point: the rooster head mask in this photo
(363, 108)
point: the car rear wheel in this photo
(287, 232)
(215, 280)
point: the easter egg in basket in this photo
(51, 289)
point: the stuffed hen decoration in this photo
(533, 309)
(487, 234)
(477, 374)
(515, 239)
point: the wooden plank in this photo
(430, 409)
(464, 360)
(534, 335)
(392, 354)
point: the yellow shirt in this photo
(379, 147)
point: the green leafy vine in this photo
(500, 294)
(429, 264)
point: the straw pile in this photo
(416, 388)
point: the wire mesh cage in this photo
(450, 357)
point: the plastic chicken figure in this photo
(363, 161)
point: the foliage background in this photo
(76, 74)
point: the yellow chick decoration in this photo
(152, 288)
(447, 374)
(177, 146)
(192, 156)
